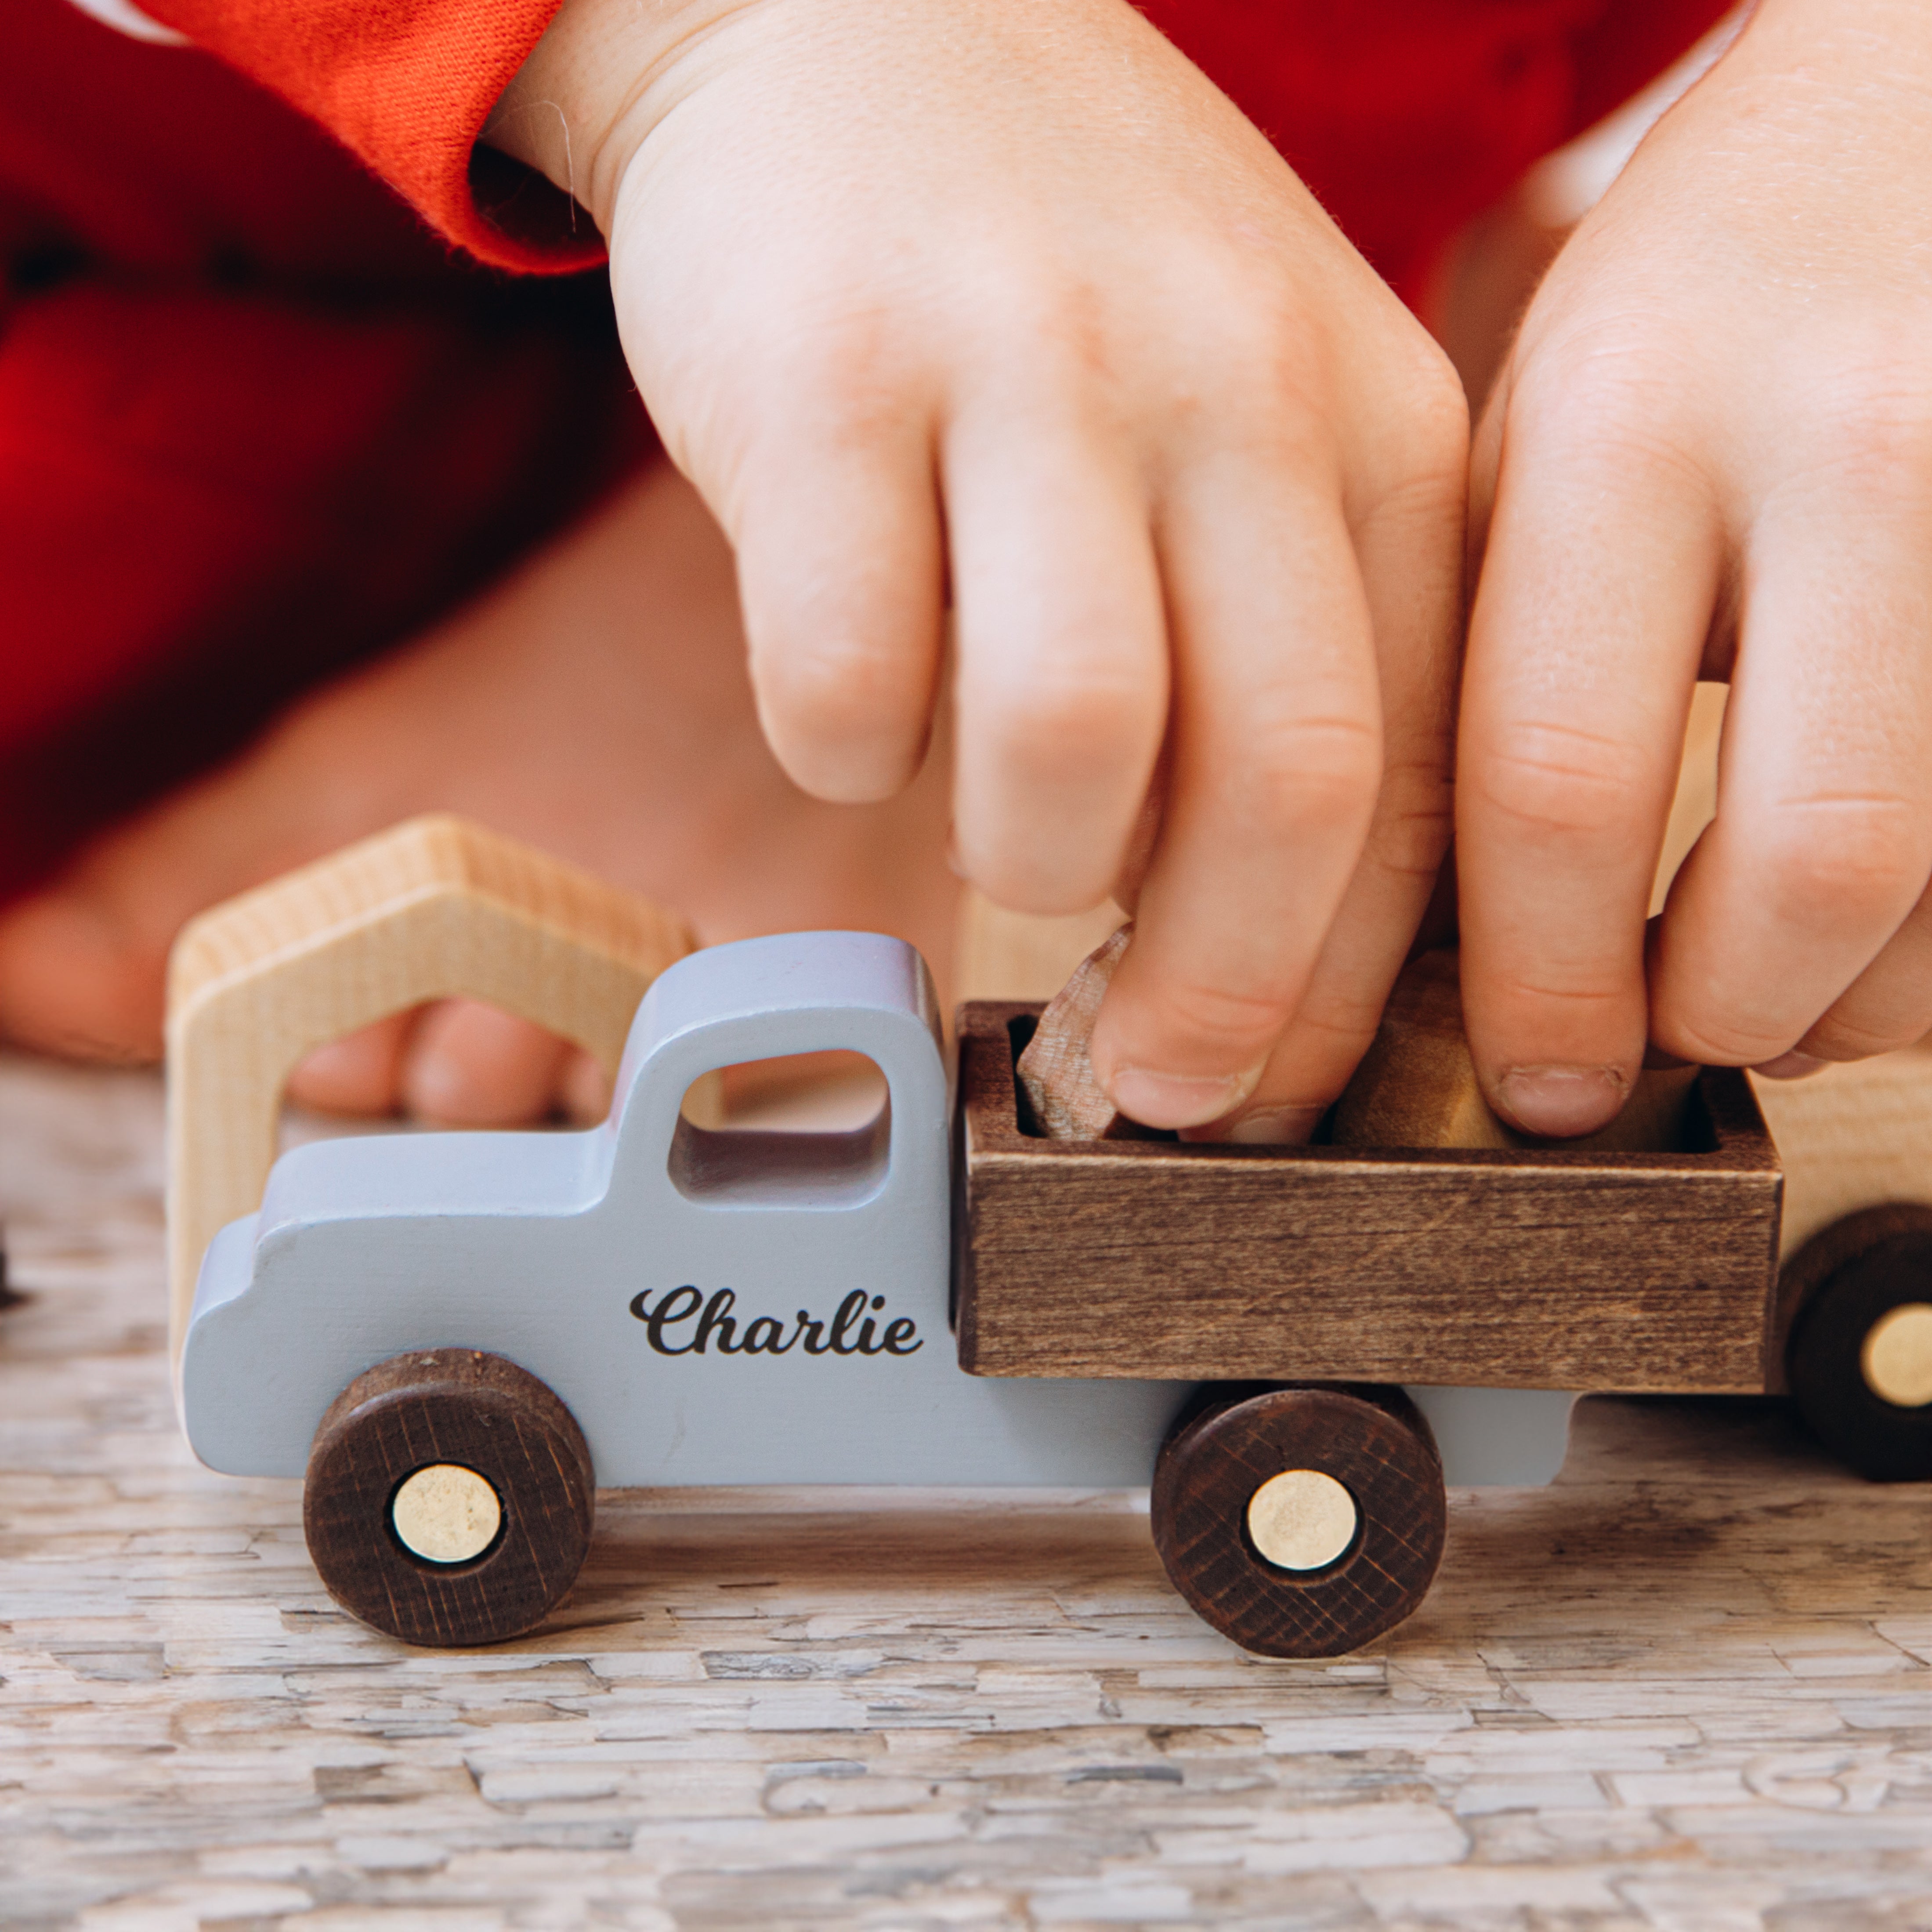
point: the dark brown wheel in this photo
(449, 1498)
(1859, 1357)
(1301, 1521)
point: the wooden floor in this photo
(1684, 1688)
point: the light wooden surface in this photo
(434, 908)
(1683, 1690)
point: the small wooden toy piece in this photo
(1054, 1071)
(698, 1306)
(1416, 1087)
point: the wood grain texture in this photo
(1843, 1281)
(1537, 1268)
(1054, 1071)
(435, 907)
(1374, 1443)
(999, 955)
(483, 1414)
(1854, 1136)
(1682, 1690)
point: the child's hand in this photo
(1007, 297)
(1711, 454)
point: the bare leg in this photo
(596, 704)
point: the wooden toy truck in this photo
(456, 1337)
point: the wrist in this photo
(593, 87)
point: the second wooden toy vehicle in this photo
(457, 1337)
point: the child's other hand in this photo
(1711, 454)
(983, 294)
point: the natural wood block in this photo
(433, 907)
(1854, 1136)
(999, 955)
(1417, 1086)
(1535, 1268)
(1068, 1102)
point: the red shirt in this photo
(261, 414)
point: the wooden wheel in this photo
(1859, 1358)
(1301, 1521)
(449, 1498)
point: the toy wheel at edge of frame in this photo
(1302, 1520)
(449, 1498)
(1859, 1355)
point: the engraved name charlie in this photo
(684, 1323)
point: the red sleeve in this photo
(407, 85)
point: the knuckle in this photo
(1071, 727)
(1556, 780)
(834, 686)
(1304, 774)
(1417, 819)
(1860, 858)
(1225, 1024)
(1713, 1038)
(1611, 399)
(1580, 998)
(1870, 425)
(1846, 1035)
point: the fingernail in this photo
(1562, 1101)
(1176, 1099)
(1791, 1065)
(1276, 1127)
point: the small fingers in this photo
(1275, 764)
(840, 573)
(360, 1074)
(1602, 566)
(1799, 919)
(1411, 558)
(1062, 683)
(469, 1065)
(1888, 1006)
(75, 981)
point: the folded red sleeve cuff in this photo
(407, 85)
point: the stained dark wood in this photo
(1532, 1267)
(448, 1405)
(1372, 1442)
(1837, 1286)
